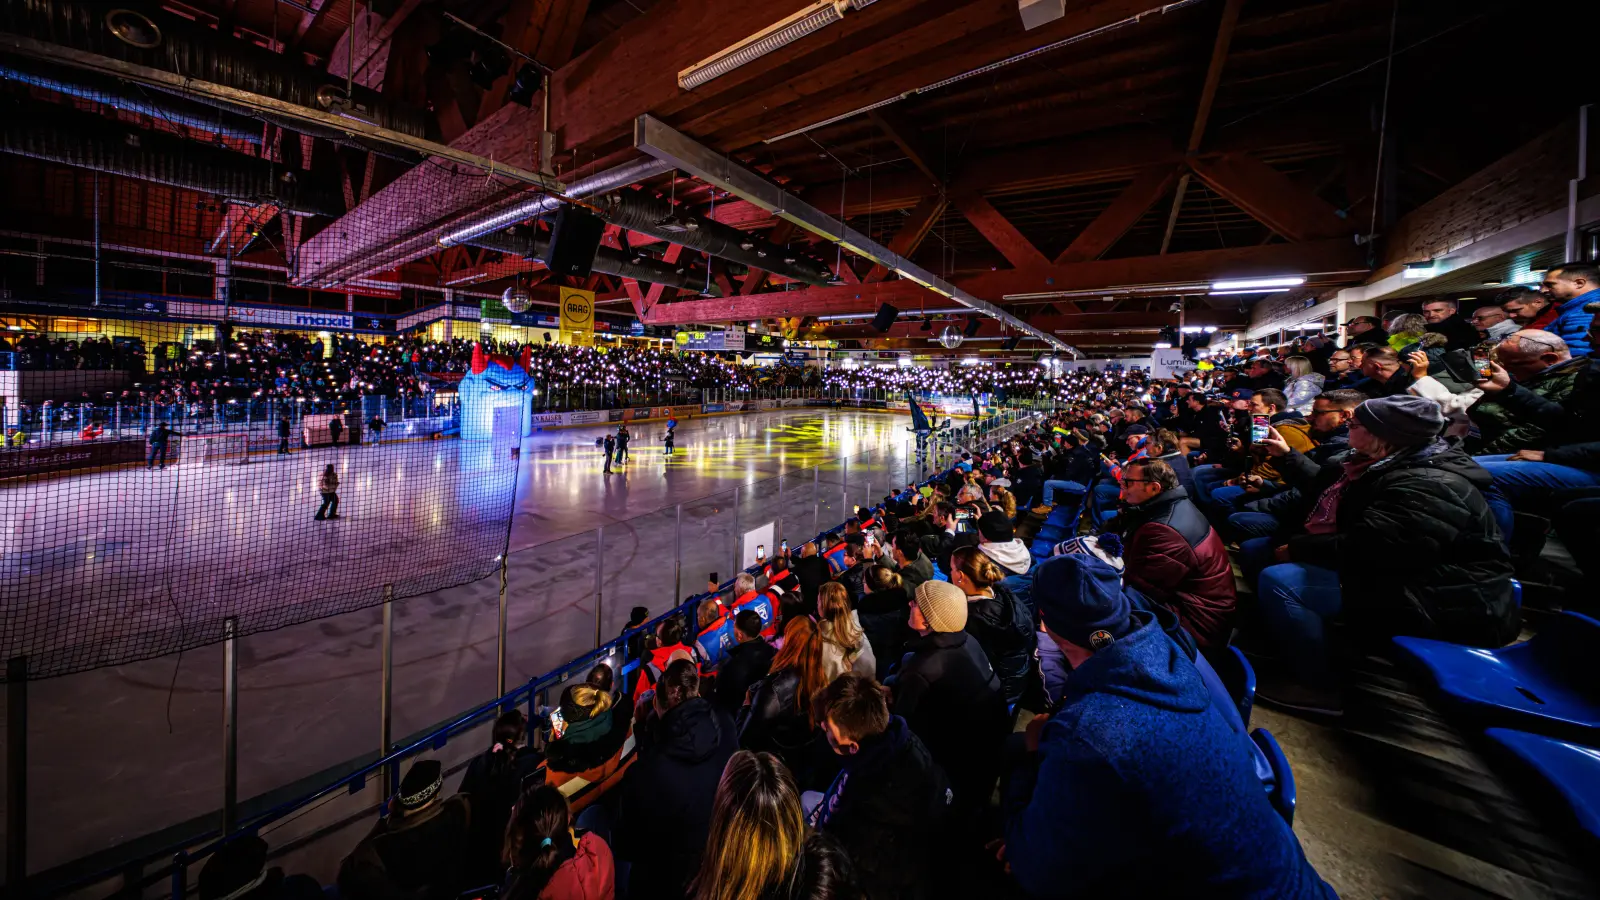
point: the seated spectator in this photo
(1172, 554)
(1260, 374)
(889, 804)
(999, 543)
(1383, 374)
(238, 871)
(1570, 287)
(492, 782)
(844, 645)
(1492, 323)
(757, 830)
(421, 849)
(1453, 397)
(664, 814)
(913, 565)
(668, 646)
(824, 871)
(588, 742)
(1329, 431)
(748, 662)
(547, 859)
(883, 616)
(1261, 478)
(856, 554)
(1342, 371)
(1302, 387)
(948, 693)
(1538, 424)
(1135, 771)
(778, 717)
(1399, 540)
(1000, 623)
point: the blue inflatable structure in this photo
(495, 383)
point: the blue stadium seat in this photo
(1240, 678)
(1546, 685)
(1571, 770)
(1061, 515)
(1282, 792)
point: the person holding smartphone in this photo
(1268, 409)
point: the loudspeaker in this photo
(972, 327)
(885, 318)
(574, 240)
(1012, 343)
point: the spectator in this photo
(856, 553)
(1329, 433)
(1399, 541)
(491, 784)
(844, 645)
(548, 859)
(1259, 374)
(664, 815)
(812, 570)
(669, 644)
(1135, 772)
(1492, 323)
(909, 560)
(889, 803)
(1539, 425)
(757, 830)
(1362, 330)
(824, 871)
(1443, 318)
(328, 485)
(1383, 375)
(587, 744)
(1000, 623)
(1570, 287)
(1261, 479)
(883, 617)
(999, 542)
(1303, 384)
(1454, 398)
(1406, 329)
(1527, 307)
(238, 871)
(948, 693)
(778, 717)
(421, 849)
(748, 662)
(1342, 371)
(1173, 555)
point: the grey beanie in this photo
(1404, 420)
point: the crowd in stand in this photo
(37, 351)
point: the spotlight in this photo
(522, 89)
(488, 64)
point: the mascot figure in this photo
(496, 382)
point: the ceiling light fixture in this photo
(807, 21)
(1286, 281)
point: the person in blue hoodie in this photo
(1570, 288)
(1136, 786)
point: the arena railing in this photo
(707, 534)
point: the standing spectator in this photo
(1444, 319)
(283, 435)
(1527, 307)
(420, 850)
(376, 425)
(748, 662)
(1000, 623)
(779, 716)
(159, 438)
(328, 485)
(548, 859)
(1362, 330)
(1384, 376)
(1135, 771)
(491, 784)
(1173, 555)
(622, 444)
(889, 804)
(1342, 371)
(855, 567)
(757, 830)
(1570, 287)
(811, 570)
(844, 645)
(664, 815)
(1493, 323)
(1399, 541)
(948, 693)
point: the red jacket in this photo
(589, 875)
(1174, 556)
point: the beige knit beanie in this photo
(943, 605)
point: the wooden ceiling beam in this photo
(314, 13)
(1271, 197)
(1219, 58)
(912, 231)
(546, 30)
(817, 301)
(1124, 212)
(904, 135)
(999, 231)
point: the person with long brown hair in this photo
(778, 717)
(547, 859)
(757, 830)
(844, 644)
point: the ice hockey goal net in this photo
(214, 449)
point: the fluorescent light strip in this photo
(1285, 281)
(1248, 291)
(775, 37)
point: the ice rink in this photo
(96, 563)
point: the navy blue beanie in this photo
(1081, 599)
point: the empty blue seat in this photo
(1052, 534)
(1546, 685)
(1061, 514)
(1240, 678)
(1281, 792)
(1571, 770)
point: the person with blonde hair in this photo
(1303, 385)
(996, 619)
(844, 643)
(757, 831)
(1004, 500)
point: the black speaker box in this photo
(1013, 342)
(885, 318)
(574, 240)
(972, 327)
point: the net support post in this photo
(17, 776)
(230, 725)
(816, 498)
(599, 580)
(677, 552)
(500, 645)
(736, 536)
(388, 776)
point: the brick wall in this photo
(1527, 183)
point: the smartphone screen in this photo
(1481, 362)
(784, 547)
(761, 553)
(714, 579)
(1258, 428)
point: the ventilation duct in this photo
(140, 33)
(154, 104)
(636, 212)
(608, 261)
(583, 188)
(88, 141)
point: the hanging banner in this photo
(577, 316)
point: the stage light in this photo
(1286, 281)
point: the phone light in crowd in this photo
(1257, 285)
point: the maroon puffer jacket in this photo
(1176, 558)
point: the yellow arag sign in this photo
(577, 316)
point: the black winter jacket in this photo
(885, 618)
(948, 693)
(746, 664)
(1416, 548)
(1002, 626)
(665, 813)
(774, 723)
